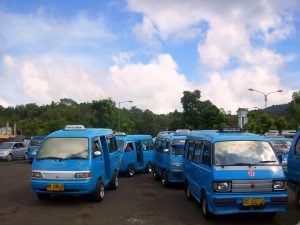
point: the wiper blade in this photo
(51, 157)
(238, 164)
(267, 161)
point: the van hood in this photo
(248, 172)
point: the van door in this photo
(98, 165)
(129, 156)
(139, 154)
(114, 157)
(294, 160)
(205, 171)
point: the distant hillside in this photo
(277, 109)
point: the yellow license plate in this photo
(253, 201)
(55, 187)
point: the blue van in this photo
(137, 153)
(76, 161)
(281, 146)
(168, 156)
(230, 172)
(293, 172)
(33, 145)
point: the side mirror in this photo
(166, 150)
(97, 153)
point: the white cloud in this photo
(235, 50)
(156, 86)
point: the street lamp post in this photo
(119, 124)
(265, 94)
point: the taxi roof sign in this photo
(74, 127)
(120, 133)
(230, 129)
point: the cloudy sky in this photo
(149, 51)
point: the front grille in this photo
(58, 176)
(252, 185)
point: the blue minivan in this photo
(230, 172)
(76, 161)
(33, 145)
(168, 156)
(137, 153)
(281, 146)
(293, 172)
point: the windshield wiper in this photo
(76, 157)
(52, 157)
(267, 161)
(238, 164)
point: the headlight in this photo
(83, 175)
(222, 186)
(176, 165)
(36, 175)
(279, 185)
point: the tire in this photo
(204, 207)
(155, 175)
(187, 191)
(10, 157)
(164, 178)
(130, 171)
(42, 196)
(149, 168)
(114, 182)
(98, 194)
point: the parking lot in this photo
(138, 200)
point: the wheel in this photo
(26, 156)
(187, 191)
(130, 171)
(155, 175)
(149, 168)
(98, 194)
(10, 157)
(164, 178)
(114, 182)
(42, 196)
(204, 207)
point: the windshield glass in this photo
(36, 142)
(244, 152)
(120, 144)
(178, 146)
(6, 145)
(282, 146)
(64, 148)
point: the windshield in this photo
(36, 142)
(64, 148)
(120, 144)
(282, 146)
(178, 146)
(6, 145)
(244, 153)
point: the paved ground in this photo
(138, 201)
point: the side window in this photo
(206, 154)
(297, 149)
(167, 146)
(145, 145)
(190, 150)
(96, 145)
(197, 152)
(112, 144)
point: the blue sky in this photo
(149, 51)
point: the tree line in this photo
(32, 119)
